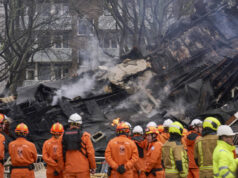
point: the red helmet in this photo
(2, 118)
(151, 130)
(22, 128)
(57, 128)
(122, 127)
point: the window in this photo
(109, 43)
(60, 71)
(30, 74)
(84, 27)
(44, 72)
(61, 41)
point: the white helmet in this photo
(137, 129)
(167, 122)
(225, 130)
(75, 118)
(127, 123)
(196, 122)
(151, 124)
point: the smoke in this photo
(91, 58)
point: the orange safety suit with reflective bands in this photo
(121, 151)
(2, 147)
(23, 153)
(53, 156)
(190, 143)
(153, 160)
(78, 163)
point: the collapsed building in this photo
(193, 74)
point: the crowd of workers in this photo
(204, 150)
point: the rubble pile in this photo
(192, 74)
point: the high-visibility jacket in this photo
(172, 152)
(224, 163)
(153, 160)
(204, 148)
(53, 155)
(121, 151)
(2, 148)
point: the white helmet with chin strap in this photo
(137, 129)
(75, 118)
(196, 122)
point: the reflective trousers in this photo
(206, 173)
(51, 175)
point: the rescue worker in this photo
(151, 124)
(121, 154)
(205, 146)
(23, 154)
(78, 151)
(224, 163)
(141, 143)
(195, 130)
(174, 155)
(153, 156)
(2, 146)
(52, 152)
(164, 136)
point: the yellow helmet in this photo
(211, 122)
(176, 127)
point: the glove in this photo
(121, 169)
(56, 173)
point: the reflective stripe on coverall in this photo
(22, 153)
(204, 148)
(153, 160)
(190, 143)
(77, 164)
(224, 163)
(2, 147)
(53, 156)
(121, 150)
(171, 152)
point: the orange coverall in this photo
(153, 160)
(53, 156)
(140, 164)
(163, 137)
(190, 143)
(121, 150)
(78, 165)
(22, 153)
(2, 147)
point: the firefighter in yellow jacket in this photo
(174, 156)
(205, 146)
(224, 163)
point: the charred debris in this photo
(194, 73)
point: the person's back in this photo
(23, 154)
(205, 146)
(121, 154)
(174, 156)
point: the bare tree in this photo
(27, 28)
